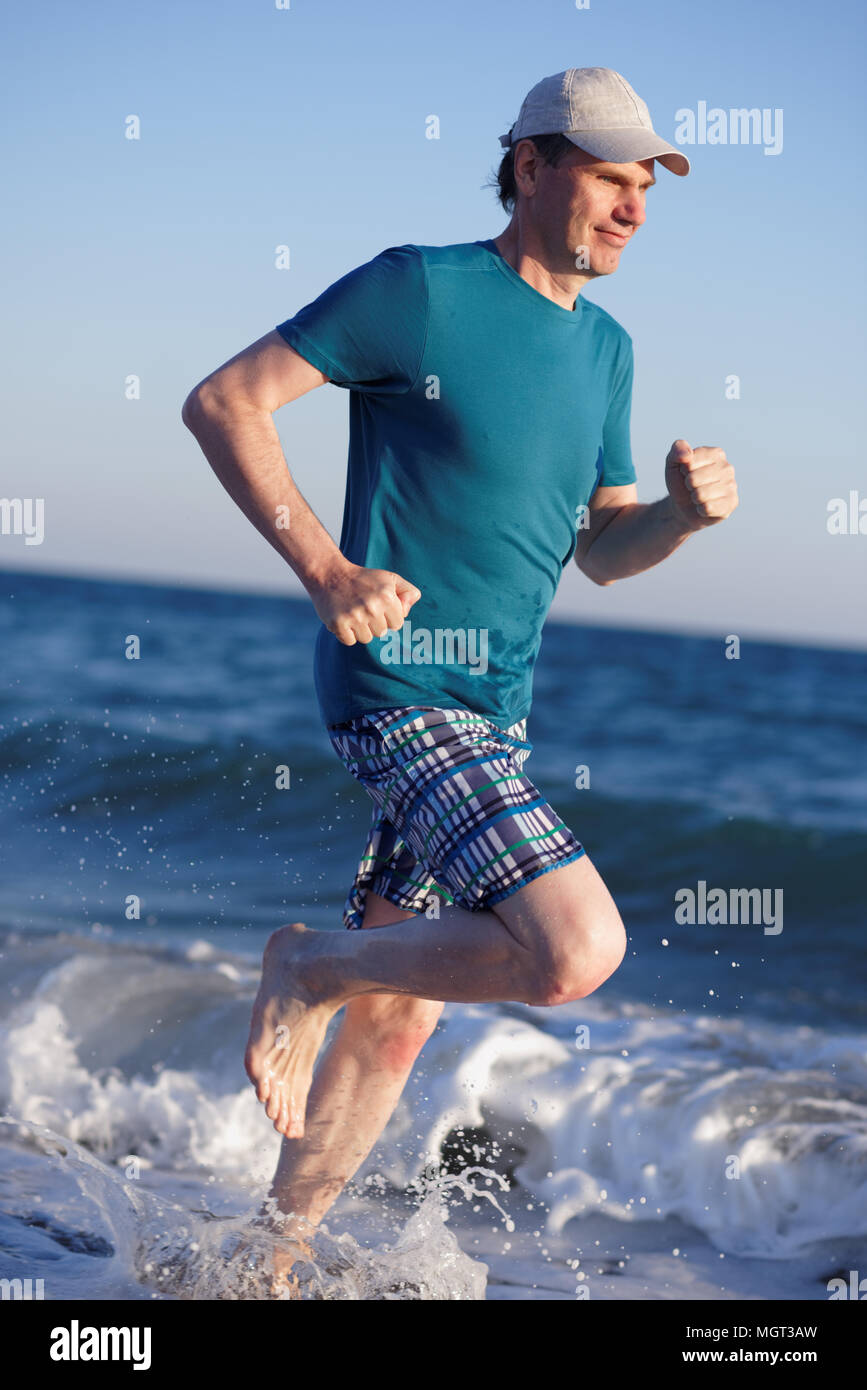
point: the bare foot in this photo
(269, 1266)
(285, 1283)
(286, 1031)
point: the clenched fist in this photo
(358, 604)
(701, 484)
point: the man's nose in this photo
(631, 210)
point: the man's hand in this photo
(701, 485)
(358, 604)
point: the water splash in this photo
(248, 1256)
(176, 1252)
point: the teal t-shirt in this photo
(482, 417)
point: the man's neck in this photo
(529, 261)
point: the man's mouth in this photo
(620, 237)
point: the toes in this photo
(260, 1081)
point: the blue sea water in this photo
(156, 778)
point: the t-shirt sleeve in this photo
(617, 466)
(367, 330)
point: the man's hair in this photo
(551, 148)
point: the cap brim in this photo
(629, 146)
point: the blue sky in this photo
(306, 126)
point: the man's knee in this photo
(391, 1029)
(574, 968)
(572, 933)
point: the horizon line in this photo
(214, 588)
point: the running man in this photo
(489, 444)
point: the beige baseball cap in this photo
(596, 109)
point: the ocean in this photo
(697, 1129)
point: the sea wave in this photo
(755, 1134)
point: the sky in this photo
(305, 126)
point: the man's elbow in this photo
(191, 409)
(586, 568)
(199, 403)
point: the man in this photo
(489, 443)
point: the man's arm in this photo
(230, 414)
(626, 537)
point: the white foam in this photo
(649, 1122)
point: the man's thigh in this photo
(570, 899)
(568, 906)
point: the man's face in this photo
(585, 202)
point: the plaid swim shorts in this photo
(455, 817)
